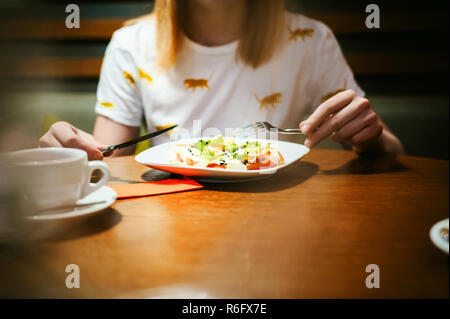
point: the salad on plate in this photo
(227, 153)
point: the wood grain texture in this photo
(307, 232)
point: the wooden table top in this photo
(307, 232)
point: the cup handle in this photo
(91, 187)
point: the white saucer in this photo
(436, 238)
(104, 193)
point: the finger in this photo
(338, 120)
(367, 134)
(363, 120)
(88, 137)
(65, 134)
(49, 140)
(94, 154)
(69, 136)
(328, 107)
(99, 146)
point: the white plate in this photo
(159, 157)
(436, 238)
(104, 194)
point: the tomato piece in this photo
(214, 165)
(190, 161)
(263, 161)
(253, 166)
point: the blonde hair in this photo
(261, 34)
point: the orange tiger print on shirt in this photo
(145, 76)
(191, 83)
(129, 77)
(196, 83)
(107, 104)
(302, 33)
(269, 100)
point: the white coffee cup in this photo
(54, 177)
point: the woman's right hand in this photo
(62, 134)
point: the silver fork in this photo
(257, 127)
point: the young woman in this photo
(227, 63)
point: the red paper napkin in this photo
(155, 188)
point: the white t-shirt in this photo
(210, 90)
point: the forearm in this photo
(109, 132)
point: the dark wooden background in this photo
(403, 66)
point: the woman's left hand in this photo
(347, 117)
